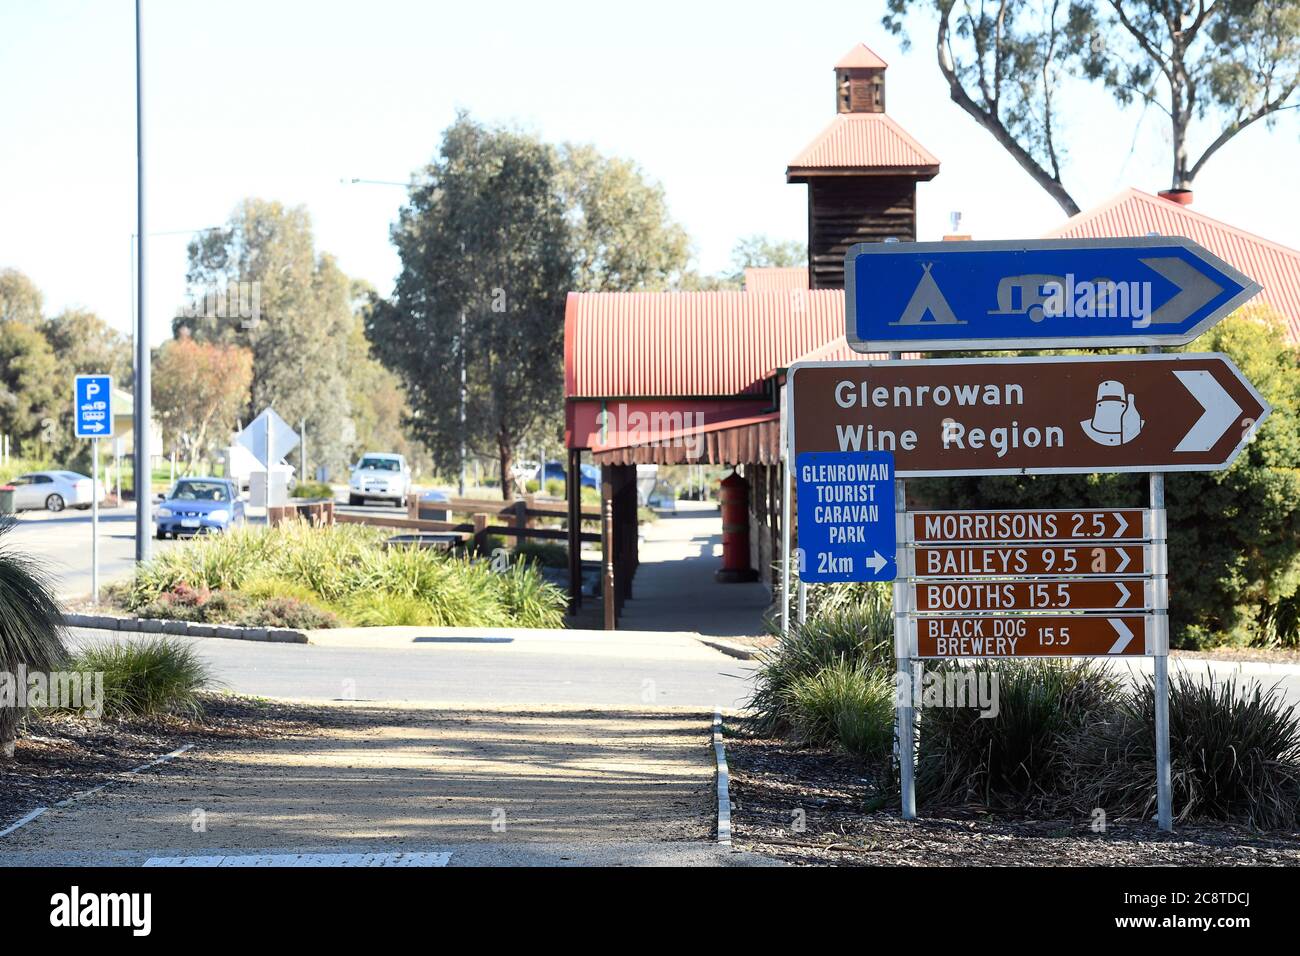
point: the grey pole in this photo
(904, 680)
(1160, 623)
(460, 492)
(143, 474)
(94, 520)
(302, 450)
(905, 706)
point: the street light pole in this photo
(143, 473)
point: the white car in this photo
(382, 475)
(52, 490)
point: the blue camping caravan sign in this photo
(1051, 293)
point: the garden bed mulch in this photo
(777, 786)
(60, 755)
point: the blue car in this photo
(554, 471)
(199, 506)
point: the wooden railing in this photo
(518, 518)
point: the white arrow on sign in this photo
(1125, 635)
(876, 561)
(1124, 592)
(1195, 289)
(1219, 415)
(1123, 525)
(1123, 560)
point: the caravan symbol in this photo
(1041, 296)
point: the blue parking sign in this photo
(847, 529)
(93, 406)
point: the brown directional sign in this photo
(1031, 559)
(1031, 415)
(1091, 595)
(1062, 524)
(1033, 636)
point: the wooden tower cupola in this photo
(860, 82)
(861, 172)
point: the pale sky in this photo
(284, 98)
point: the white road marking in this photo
(163, 759)
(305, 860)
(23, 822)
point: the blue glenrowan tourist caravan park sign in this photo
(847, 528)
(1037, 294)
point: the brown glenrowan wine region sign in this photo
(1029, 415)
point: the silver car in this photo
(52, 490)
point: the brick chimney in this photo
(1181, 196)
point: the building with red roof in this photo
(695, 377)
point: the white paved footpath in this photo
(674, 588)
(410, 787)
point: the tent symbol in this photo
(927, 300)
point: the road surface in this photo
(587, 668)
(62, 544)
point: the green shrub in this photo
(849, 633)
(344, 568)
(147, 677)
(389, 610)
(1234, 751)
(289, 612)
(31, 626)
(313, 490)
(1013, 757)
(548, 554)
(850, 705)
(530, 600)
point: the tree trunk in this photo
(507, 456)
(9, 729)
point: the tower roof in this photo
(863, 143)
(860, 57)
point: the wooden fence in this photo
(509, 519)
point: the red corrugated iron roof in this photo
(1135, 213)
(662, 344)
(862, 142)
(776, 278)
(859, 58)
(838, 350)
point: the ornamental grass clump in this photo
(31, 631)
(1234, 749)
(344, 573)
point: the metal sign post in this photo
(1160, 623)
(92, 405)
(94, 521)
